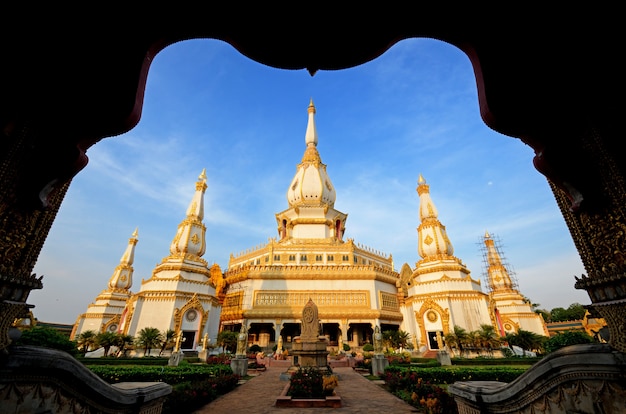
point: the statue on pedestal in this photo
(242, 341)
(378, 341)
(179, 338)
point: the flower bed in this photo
(309, 387)
(284, 400)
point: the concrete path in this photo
(258, 396)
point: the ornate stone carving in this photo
(580, 379)
(310, 322)
(598, 229)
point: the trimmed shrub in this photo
(189, 396)
(255, 348)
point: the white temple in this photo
(355, 288)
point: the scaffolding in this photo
(497, 245)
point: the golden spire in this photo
(310, 138)
(190, 237)
(122, 277)
(311, 184)
(432, 237)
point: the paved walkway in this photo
(258, 396)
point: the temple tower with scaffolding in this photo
(511, 309)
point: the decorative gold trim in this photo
(388, 301)
(193, 304)
(432, 316)
(431, 305)
(299, 298)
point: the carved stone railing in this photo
(41, 380)
(588, 378)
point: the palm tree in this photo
(106, 340)
(488, 338)
(526, 340)
(228, 340)
(169, 339)
(509, 340)
(121, 341)
(149, 338)
(457, 339)
(396, 339)
(86, 341)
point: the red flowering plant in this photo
(430, 398)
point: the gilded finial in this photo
(136, 232)
(421, 180)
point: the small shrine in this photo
(309, 349)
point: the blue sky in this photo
(412, 111)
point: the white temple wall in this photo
(469, 313)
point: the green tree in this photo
(169, 340)
(86, 341)
(487, 338)
(527, 340)
(396, 339)
(48, 338)
(474, 341)
(106, 340)
(228, 340)
(149, 338)
(457, 339)
(563, 339)
(574, 312)
(122, 342)
(545, 314)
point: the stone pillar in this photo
(343, 333)
(278, 326)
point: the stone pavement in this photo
(258, 396)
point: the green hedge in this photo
(187, 397)
(495, 361)
(124, 361)
(442, 375)
(167, 374)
